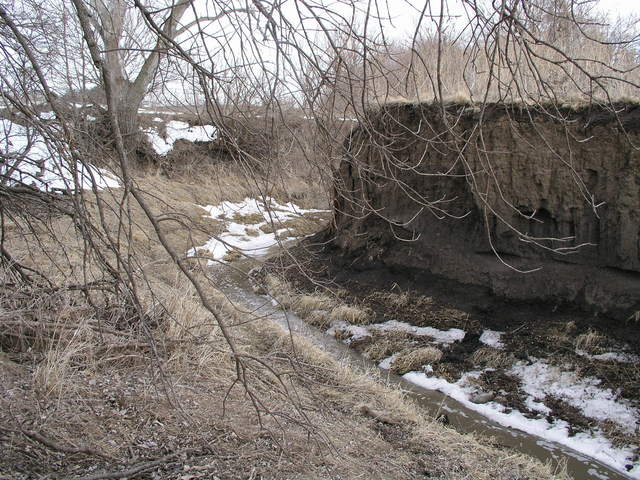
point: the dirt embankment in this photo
(476, 195)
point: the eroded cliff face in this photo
(478, 195)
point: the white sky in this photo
(620, 7)
(405, 13)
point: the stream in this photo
(235, 284)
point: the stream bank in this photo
(479, 362)
(552, 371)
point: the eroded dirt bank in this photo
(466, 194)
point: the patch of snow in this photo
(41, 165)
(236, 236)
(177, 130)
(592, 444)
(387, 362)
(540, 379)
(535, 405)
(47, 115)
(492, 338)
(156, 112)
(594, 473)
(444, 337)
(269, 209)
(356, 332)
(619, 357)
(440, 336)
(157, 119)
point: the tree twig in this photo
(139, 468)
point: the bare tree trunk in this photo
(110, 24)
(126, 107)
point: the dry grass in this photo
(351, 314)
(398, 300)
(276, 285)
(268, 228)
(411, 360)
(590, 342)
(280, 290)
(319, 319)
(135, 388)
(54, 375)
(232, 256)
(383, 346)
(305, 304)
(249, 219)
(492, 358)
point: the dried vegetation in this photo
(414, 359)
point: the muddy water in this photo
(235, 285)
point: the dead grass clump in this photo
(590, 342)
(232, 256)
(252, 232)
(305, 304)
(268, 227)
(342, 335)
(250, 219)
(385, 344)
(395, 300)
(186, 318)
(285, 300)
(204, 253)
(276, 285)
(53, 377)
(410, 360)
(280, 290)
(378, 351)
(319, 319)
(398, 300)
(492, 358)
(303, 225)
(351, 314)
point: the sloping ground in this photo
(554, 372)
(476, 195)
(92, 397)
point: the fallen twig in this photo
(53, 445)
(139, 468)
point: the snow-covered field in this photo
(176, 130)
(40, 164)
(242, 232)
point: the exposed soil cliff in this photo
(475, 195)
